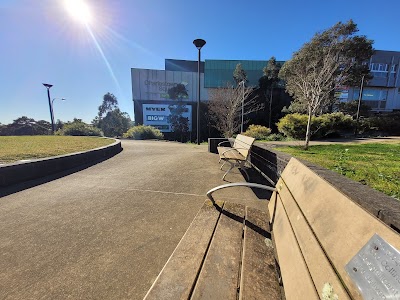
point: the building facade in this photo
(152, 101)
(151, 93)
(382, 93)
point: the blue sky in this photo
(42, 43)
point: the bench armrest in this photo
(233, 149)
(246, 184)
(219, 144)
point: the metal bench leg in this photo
(230, 168)
(223, 165)
(242, 167)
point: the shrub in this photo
(383, 123)
(79, 128)
(334, 123)
(276, 137)
(258, 132)
(295, 125)
(142, 132)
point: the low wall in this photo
(23, 171)
(213, 143)
(271, 163)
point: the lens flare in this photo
(79, 10)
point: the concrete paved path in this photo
(105, 232)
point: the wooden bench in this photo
(237, 155)
(313, 243)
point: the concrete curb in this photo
(23, 171)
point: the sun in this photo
(79, 10)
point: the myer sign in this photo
(156, 115)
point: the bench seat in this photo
(230, 153)
(226, 253)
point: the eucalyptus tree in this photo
(333, 58)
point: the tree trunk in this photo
(270, 108)
(308, 132)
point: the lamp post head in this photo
(199, 43)
(47, 85)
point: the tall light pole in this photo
(241, 126)
(48, 86)
(199, 43)
(52, 108)
(359, 103)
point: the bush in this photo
(142, 132)
(295, 125)
(79, 128)
(381, 124)
(334, 124)
(258, 132)
(276, 137)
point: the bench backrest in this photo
(317, 231)
(243, 144)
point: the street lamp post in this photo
(48, 86)
(52, 110)
(241, 126)
(199, 43)
(359, 104)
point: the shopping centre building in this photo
(151, 97)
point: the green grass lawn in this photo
(14, 148)
(376, 165)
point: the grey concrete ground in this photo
(105, 232)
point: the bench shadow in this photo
(256, 177)
(15, 188)
(241, 219)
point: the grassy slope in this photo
(14, 148)
(376, 165)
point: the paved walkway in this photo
(105, 232)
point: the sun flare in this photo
(79, 10)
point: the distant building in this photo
(150, 92)
(382, 93)
(151, 98)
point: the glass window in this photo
(378, 67)
(370, 94)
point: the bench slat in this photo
(319, 266)
(219, 277)
(296, 278)
(259, 278)
(341, 226)
(230, 153)
(178, 276)
(243, 144)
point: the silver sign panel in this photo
(375, 270)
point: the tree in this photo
(239, 74)
(26, 126)
(115, 123)
(110, 119)
(110, 103)
(333, 58)
(271, 72)
(225, 107)
(79, 128)
(179, 123)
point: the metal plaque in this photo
(375, 270)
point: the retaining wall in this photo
(271, 164)
(23, 171)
